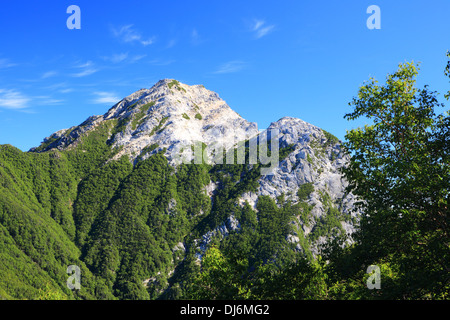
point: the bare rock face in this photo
(177, 117)
(171, 116)
(316, 159)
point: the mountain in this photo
(125, 197)
(170, 114)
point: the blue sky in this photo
(266, 59)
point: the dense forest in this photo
(132, 228)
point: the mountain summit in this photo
(169, 115)
(172, 116)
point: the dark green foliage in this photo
(121, 125)
(301, 279)
(191, 180)
(159, 128)
(147, 106)
(228, 276)
(131, 106)
(124, 220)
(20, 277)
(329, 224)
(400, 167)
(154, 205)
(94, 194)
(173, 83)
(304, 191)
(137, 120)
(46, 144)
(198, 116)
(176, 84)
(331, 139)
(146, 151)
(273, 227)
(92, 150)
(37, 227)
(139, 117)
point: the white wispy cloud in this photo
(230, 67)
(6, 63)
(51, 101)
(161, 62)
(49, 74)
(47, 100)
(85, 73)
(129, 35)
(87, 64)
(103, 97)
(61, 87)
(136, 58)
(260, 28)
(124, 58)
(171, 43)
(117, 58)
(12, 99)
(196, 37)
(86, 69)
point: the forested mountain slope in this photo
(110, 197)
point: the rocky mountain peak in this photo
(172, 117)
(169, 115)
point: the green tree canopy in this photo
(400, 167)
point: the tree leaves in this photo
(400, 167)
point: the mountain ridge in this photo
(188, 113)
(167, 104)
(118, 205)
